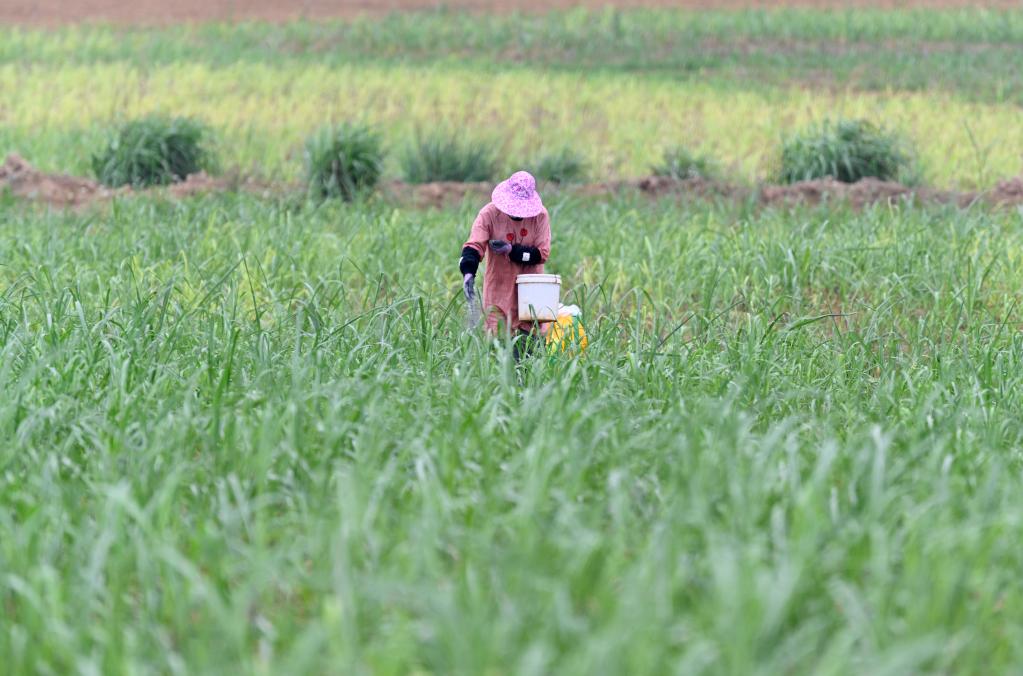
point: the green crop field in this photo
(248, 434)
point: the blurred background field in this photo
(617, 86)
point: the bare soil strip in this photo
(57, 12)
(23, 181)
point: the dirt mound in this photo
(859, 194)
(202, 183)
(435, 195)
(664, 186)
(25, 181)
(1008, 192)
(864, 192)
(22, 180)
(198, 184)
(657, 186)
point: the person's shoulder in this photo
(489, 210)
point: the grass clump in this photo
(445, 157)
(154, 150)
(342, 161)
(846, 150)
(681, 163)
(561, 166)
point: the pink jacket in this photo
(500, 295)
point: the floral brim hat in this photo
(517, 196)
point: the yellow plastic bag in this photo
(567, 333)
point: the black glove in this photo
(469, 263)
(525, 255)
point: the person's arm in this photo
(475, 246)
(535, 255)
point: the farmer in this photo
(514, 233)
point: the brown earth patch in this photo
(56, 12)
(435, 195)
(21, 179)
(860, 194)
(1007, 192)
(201, 183)
(661, 186)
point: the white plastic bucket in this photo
(539, 297)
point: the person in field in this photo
(513, 234)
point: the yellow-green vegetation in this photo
(620, 123)
(618, 87)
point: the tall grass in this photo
(564, 165)
(343, 161)
(154, 150)
(448, 156)
(846, 150)
(682, 163)
(239, 439)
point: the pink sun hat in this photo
(518, 196)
